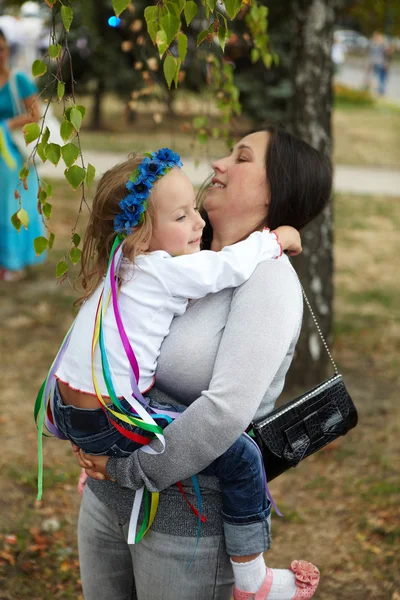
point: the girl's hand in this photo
(289, 239)
(95, 466)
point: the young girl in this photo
(151, 205)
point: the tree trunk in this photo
(97, 117)
(310, 117)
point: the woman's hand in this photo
(95, 466)
(290, 240)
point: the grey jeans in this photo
(155, 569)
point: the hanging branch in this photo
(166, 21)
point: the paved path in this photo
(354, 74)
(354, 180)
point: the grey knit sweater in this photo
(226, 359)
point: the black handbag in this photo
(303, 426)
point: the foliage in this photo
(346, 96)
(372, 15)
(167, 25)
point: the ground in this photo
(341, 507)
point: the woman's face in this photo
(3, 52)
(239, 191)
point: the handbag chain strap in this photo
(319, 330)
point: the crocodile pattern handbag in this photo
(303, 426)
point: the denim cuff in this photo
(250, 538)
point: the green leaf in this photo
(41, 150)
(75, 176)
(66, 130)
(38, 68)
(23, 217)
(53, 153)
(60, 90)
(24, 172)
(233, 7)
(182, 46)
(169, 69)
(75, 118)
(82, 109)
(51, 240)
(161, 41)
(54, 51)
(15, 221)
(199, 122)
(178, 68)
(76, 239)
(90, 175)
(40, 244)
(49, 189)
(190, 11)
(202, 137)
(31, 132)
(61, 268)
(75, 255)
(171, 25)
(42, 196)
(67, 15)
(255, 55)
(151, 16)
(202, 36)
(120, 5)
(46, 209)
(45, 136)
(173, 9)
(222, 36)
(70, 153)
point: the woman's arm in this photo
(31, 115)
(264, 320)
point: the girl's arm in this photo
(196, 275)
(264, 320)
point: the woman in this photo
(16, 248)
(226, 359)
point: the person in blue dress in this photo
(16, 248)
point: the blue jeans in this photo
(381, 73)
(239, 469)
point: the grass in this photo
(364, 136)
(367, 136)
(341, 507)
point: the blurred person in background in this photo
(338, 54)
(379, 61)
(16, 248)
(11, 27)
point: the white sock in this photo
(249, 576)
(283, 585)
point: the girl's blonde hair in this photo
(100, 235)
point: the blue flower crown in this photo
(139, 185)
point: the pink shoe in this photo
(307, 579)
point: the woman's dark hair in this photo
(299, 180)
(2, 36)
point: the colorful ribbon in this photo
(139, 413)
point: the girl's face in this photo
(177, 225)
(4, 52)
(239, 191)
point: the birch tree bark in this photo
(310, 118)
